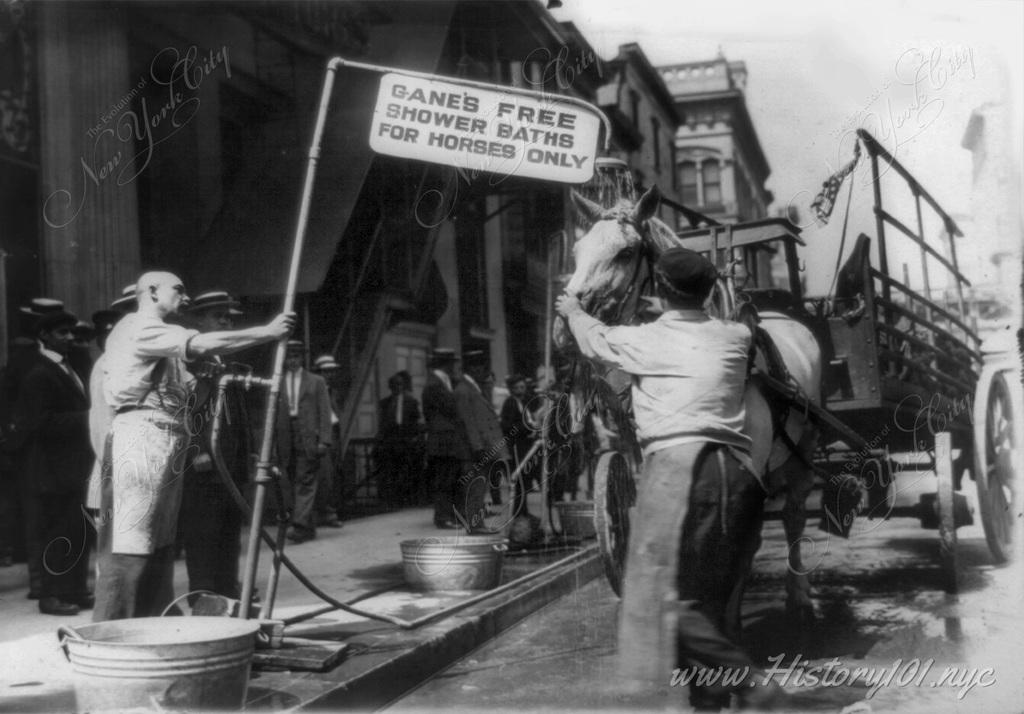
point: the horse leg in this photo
(799, 481)
(746, 523)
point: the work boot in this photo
(56, 606)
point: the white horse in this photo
(613, 262)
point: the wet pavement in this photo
(879, 607)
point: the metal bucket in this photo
(469, 562)
(577, 518)
(179, 663)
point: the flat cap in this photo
(686, 272)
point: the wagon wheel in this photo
(999, 498)
(614, 495)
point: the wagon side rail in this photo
(932, 311)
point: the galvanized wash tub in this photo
(577, 518)
(180, 663)
(465, 562)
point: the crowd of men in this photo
(113, 455)
(469, 444)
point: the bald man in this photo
(147, 385)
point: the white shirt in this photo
(136, 346)
(688, 372)
(292, 383)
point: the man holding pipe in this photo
(149, 388)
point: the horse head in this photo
(613, 258)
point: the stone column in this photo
(90, 221)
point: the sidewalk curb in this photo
(451, 639)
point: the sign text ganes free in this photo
(479, 129)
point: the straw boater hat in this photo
(211, 299)
(125, 303)
(443, 355)
(41, 306)
(325, 362)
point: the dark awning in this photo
(249, 244)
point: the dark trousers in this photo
(445, 472)
(64, 532)
(211, 526)
(522, 484)
(303, 476)
(30, 528)
(393, 461)
(326, 489)
(696, 522)
(11, 540)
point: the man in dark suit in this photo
(489, 455)
(19, 507)
(398, 427)
(211, 521)
(521, 431)
(447, 446)
(54, 411)
(303, 439)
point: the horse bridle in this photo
(634, 287)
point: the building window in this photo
(656, 138)
(712, 180)
(634, 105)
(688, 179)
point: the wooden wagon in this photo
(901, 386)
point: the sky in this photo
(909, 72)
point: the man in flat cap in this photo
(148, 386)
(54, 411)
(211, 521)
(303, 439)
(688, 377)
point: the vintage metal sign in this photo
(477, 129)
